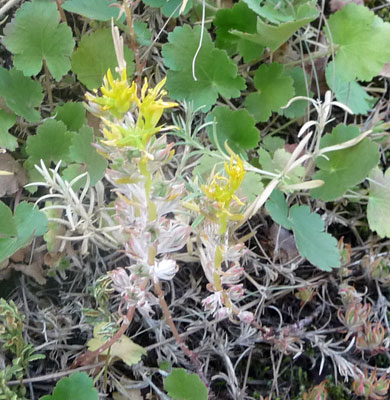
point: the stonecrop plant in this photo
(194, 200)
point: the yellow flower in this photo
(222, 191)
(151, 106)
(117, 96)
(137, 129)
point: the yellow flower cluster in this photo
(222, 190)
(118, 98)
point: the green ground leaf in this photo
(272, 143)
(251, 187)
(51, 143)
(277, 206)
(29, 222)
(83, 152)
(7, 140)
(237, 127)
(278, 162)
(379, 202)
(348, 93)
(313, 243)
(241, 18)
(35, 35)
(276, 11)
(170, 8)
(98, 10)
(298, 108)
(22, 94)
(78, 386)
(215, 71)
(361, 39)
(181, 385)
(95, 54)
(274, 90)
(72, 115)
(343, 168)
(7, 223)
(142, 33)
(273, 36)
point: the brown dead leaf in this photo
(10, 184)
(336, 5)
(283, 242)
(34, 270)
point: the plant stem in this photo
(87, 357)
(164, 306)
(48, 86)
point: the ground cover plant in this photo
(194, 199)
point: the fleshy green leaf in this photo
(237, 127)
(298, 108)
(273, 36)
(274, 90)
(72, 115)
(124, 348)
(98, 10)
(7, 140)
(170, 8)
(29, 222)
(216, 73)
(379, 202)
(241, 18)
(7, 223)
(313, 243)
(181, 385)
(78, 386)
(83, 152)
(343, 168)
(348, 93)
(95, 54)
(22, 94)
(35, 35)
(361, 39)
(51, 143)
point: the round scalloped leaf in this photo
(170, 8)
(78, 386)
(348, 93)
(51, 143)
(243, 19)
(98, 10)
(274, 89)
(88, 62)
(379, 202)
(361, 39)
(319, 247)
(83, 152)
(7, 140)
(35, 35)
(72, 114)
(236, 127)
(29, 222)
(216, 73)
(345, 168)
(22, 94)
(181, 385)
